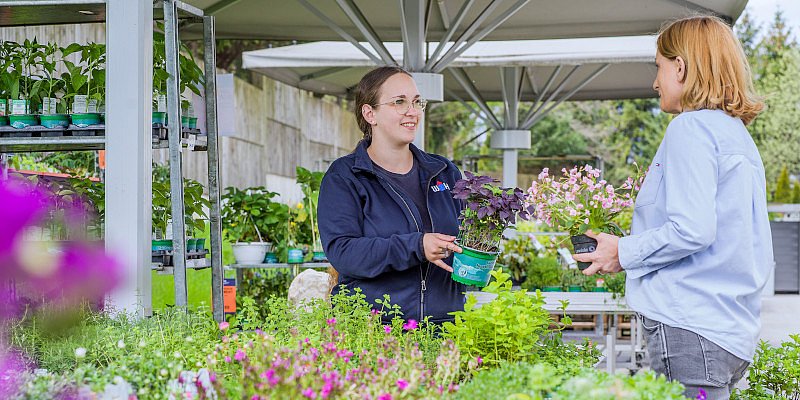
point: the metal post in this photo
(129, 149)
(217, 274)
(4, 166)
(175, 174)
(510, 159)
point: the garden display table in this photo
(594, 303)
(294, 267)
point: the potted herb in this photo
(53, 112)
(86, 82)
(515, 256)
(162, 213)
(22, 61)
(310, 183)
(544, 273)
(579, 201)
(488, 211)
(241, 213)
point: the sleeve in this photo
(690, 186)
(341, 228)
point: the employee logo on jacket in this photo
(440, 186)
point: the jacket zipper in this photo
(424, 278)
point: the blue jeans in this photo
(692, 360)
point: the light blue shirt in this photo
(700, 249)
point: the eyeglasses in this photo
(402, 105)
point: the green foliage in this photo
(250, 216)
(309, 183)
(89, 76)
(615, 283)
(20, 76)
(515, 256)
(775, 372)
(77, 163)
(783, 192)
(506, 329)
(191, 75)
(451, 127)
(554, 136)
(261, 284)
(543, 271)
(572, 277)
(194, 204)
(796, 193)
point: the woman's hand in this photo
(439, 246)
(605, 258)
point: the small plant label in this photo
(80, 105)
(3, 109)
(161, 103)
(19, 107)
(92, 106)
(49, 105)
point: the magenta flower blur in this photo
(385, 396)
(309, 393)
(410, 325)
(240, 355)
(402, 384)
(387, 329)
(224, 325)
(331, 321)
(701, 395)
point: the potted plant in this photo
(19, 77)
(579, 201)
(5, 81)
(310, 183)
(488, 211)
(515, 256)
(241, 214)
(160, 77)
(194, 205)
(162, 213)
(544, 273)
(298, 216)
(86, 82)
(572, 280)
(53, 113)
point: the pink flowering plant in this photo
(579, 200)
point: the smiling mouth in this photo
(409, 124)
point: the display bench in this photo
(600, 304)
(295, 268)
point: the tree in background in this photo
(451, 125)
(775, 61)
(783, 190)
(796, 193)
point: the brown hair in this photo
(717, 74)
(368, 92)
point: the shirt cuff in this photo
(627, 251)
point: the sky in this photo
(763, 12)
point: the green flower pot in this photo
(574, 288)
(551, 289)
(54, 120)
(86, 119)
(473, 267)
(161, 245)
(159, 118)
(319, 256)
(599, 289)
(201, 244)
(191, 245)
(294, 256)
(3, 120)
(23, 121)
(271, 258)
(189, 122)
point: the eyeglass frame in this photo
(392, 102)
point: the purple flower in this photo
(410, 325)
(402, 384)
(385, 396)
(387, 329)
(331, 321)
(240, 355)
(701, 395)
(224, 325)
(309, 393)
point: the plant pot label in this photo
(3, 108)
(49, 105)
(161, 103)
(19, 107)
(295, 256)
(92, 106)
(80, 104)
(472, 270)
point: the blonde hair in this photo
(717, 74)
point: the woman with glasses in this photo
(387, 219)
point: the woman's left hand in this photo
(605, 258)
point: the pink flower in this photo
(479, 360)
(385, 396)
(224, 325)
(402, 384)
(410, 325)
(331, 322)
(387, 329)
(227, 359)
(309, 393)
(240, 355)
(701, 395)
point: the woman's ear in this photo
(680, 68)
(368, 113)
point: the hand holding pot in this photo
(439, 246)
(605, 259)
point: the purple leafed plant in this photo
(488, 211)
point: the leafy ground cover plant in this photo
(517, 253)
(775, 372)
(513, 327)
(542, 271)
(488, 211)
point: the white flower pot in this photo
(250, 253)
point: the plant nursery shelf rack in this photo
(38, 139)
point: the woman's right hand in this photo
(439, 246)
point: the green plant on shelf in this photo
(250, 215)
(194, 204)
(51, 85)
(515, 256)
(87, 77)
(309, 183)
(19, 76)
(190, 73)
(543, 271)
(573, 277)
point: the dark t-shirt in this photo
(409, 184)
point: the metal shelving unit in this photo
(49, 12)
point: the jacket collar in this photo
(429, 164)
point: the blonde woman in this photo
(700, 249)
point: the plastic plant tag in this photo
(3, 109)
(161, 103)
(19, 107)
(92, 106)
(80, 104)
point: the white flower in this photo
(142, 343)
(80, 352)
(163, 372)
(177, 354)
(121, 344)
(189, 339)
